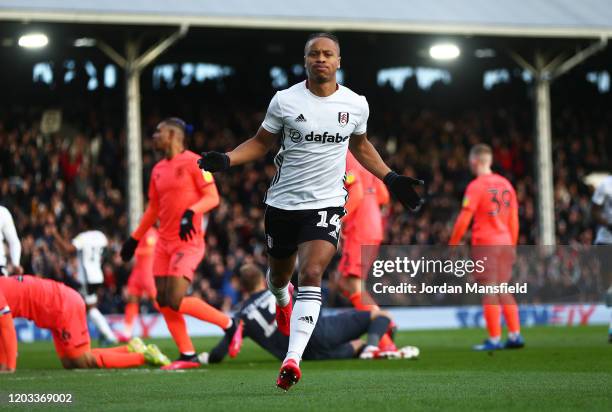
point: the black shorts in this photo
(89, 292)
(332, 335)
(286, 229)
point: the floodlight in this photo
(84, 42)
(33, 40)
(444, 51)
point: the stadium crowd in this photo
(59, 178)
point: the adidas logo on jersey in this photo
(300, 118)
(307, 319)
(333, 234)
(325, 138)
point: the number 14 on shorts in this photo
(334, 221)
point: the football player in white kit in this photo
(8, 233)
(89, 247)
(317, 121)
(602, 213)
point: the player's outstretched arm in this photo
(148, 219)
(65, 246)
(209, 200)
(254, 148)
(461, 226)
(366, 154)
(8, 342)
(402, 187)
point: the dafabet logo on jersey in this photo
(325, 138)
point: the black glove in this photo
(187, 230)
(402, 187)
(128, 248)
(214, 161)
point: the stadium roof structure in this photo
(537, 18)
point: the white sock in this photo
(495, 339)
(303, 320)
(281, 294)
(514, 335)
(100, 321)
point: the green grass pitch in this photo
(560, 369)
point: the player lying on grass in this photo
(334, 337)
(54, 306)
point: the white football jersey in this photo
(8, 233)
(315, 134)
(90, 247)
(603, 197)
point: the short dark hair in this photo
(250, 277)
(322, 34)
(89, 220)
(179, 123)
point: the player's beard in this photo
(320, 78)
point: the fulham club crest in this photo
(343, 118)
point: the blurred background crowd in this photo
(59, 178)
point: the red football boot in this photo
(179, 364)
(236, 342)
(386, 343)
(283, 314)
(289, 375)
(122, 337)
(183, 362)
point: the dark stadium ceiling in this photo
(251, 46)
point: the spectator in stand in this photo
(81, 170)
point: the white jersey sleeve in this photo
(273, 122)
(77, 242)
(8, 232)
(362, 126)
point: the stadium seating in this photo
(59, 178)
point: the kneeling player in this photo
(334, 337)
(52, 305)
